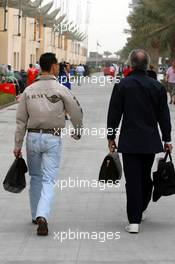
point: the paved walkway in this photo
(81, 209)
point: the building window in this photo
(53, 38)
(16, 60)
(60, 41)
(24, 27)
(50, 37)
(30, 58)
(15, 25)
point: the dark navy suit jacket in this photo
(142, 102)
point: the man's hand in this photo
(168, 147)
(76, 137)
(17, 152)
(112, 145)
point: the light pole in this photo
(98, 45)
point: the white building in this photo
(27, 31)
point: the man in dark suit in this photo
(142, 102)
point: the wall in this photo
(21, 50)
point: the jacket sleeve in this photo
(115, 111)
(164, 119)
(21, 121)
(73, 108)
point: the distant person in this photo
(3, 70)
(13, 78)
(24, 77)
(170, 76)
(140, 103)
(120, 71)
(37, 66)
(32, 74)
(151, 73)
(80, 72)
(112, 70)
(19, 77)
(68, 74)
(117, 69)
(10, 73)
(127, 70)
(86, 72)
(64, 75)
(72, 70)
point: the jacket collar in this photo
(138, 72)
(46, 77)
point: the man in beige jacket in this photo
(41, 112)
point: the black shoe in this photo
(42, 226)
(34, 222)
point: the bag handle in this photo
(168, 153)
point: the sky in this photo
(107, 21)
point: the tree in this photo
(152, 28)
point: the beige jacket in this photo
(43, 105)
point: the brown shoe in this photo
(42, 226)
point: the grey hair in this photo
(138, 63)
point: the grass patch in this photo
(6, 98)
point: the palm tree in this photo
(153, 28)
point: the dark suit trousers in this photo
(137, 169)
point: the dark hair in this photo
(47, 60)
(137, 62)
(30, 65)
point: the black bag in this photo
(164, 178)
(15, 180)
(111, 169)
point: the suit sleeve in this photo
(164, 119)
(115, 111)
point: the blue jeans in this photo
(43, 158)
(79, 76)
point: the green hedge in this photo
(6, 98)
